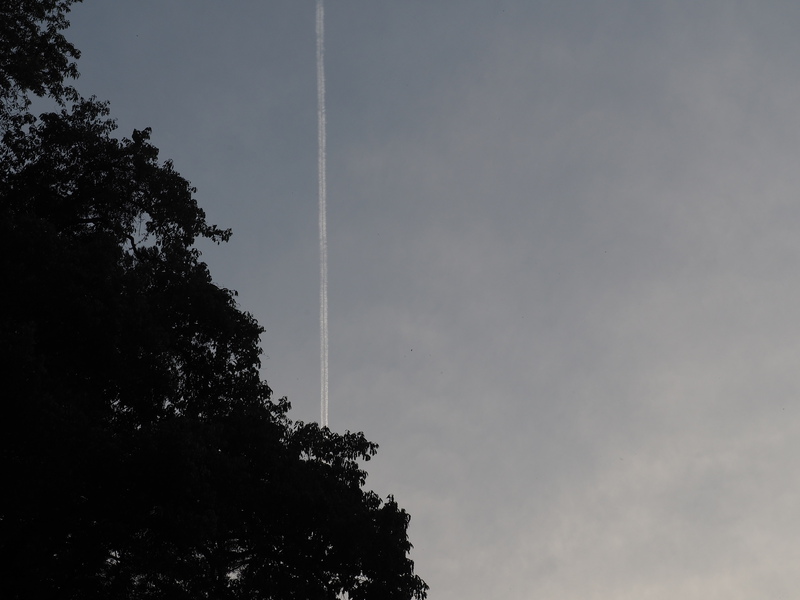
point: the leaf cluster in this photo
(35, 57)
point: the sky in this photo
(564, 249)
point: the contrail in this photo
(323, 226)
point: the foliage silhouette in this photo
(142, 454)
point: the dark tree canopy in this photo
(142, 454)
(34, 54)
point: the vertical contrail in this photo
(323, 226)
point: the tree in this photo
(34, 54)
(142, 454)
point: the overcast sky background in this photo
(564, 264)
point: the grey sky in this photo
(564, 243)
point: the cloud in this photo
(563, 255)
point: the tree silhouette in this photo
(142, 454)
